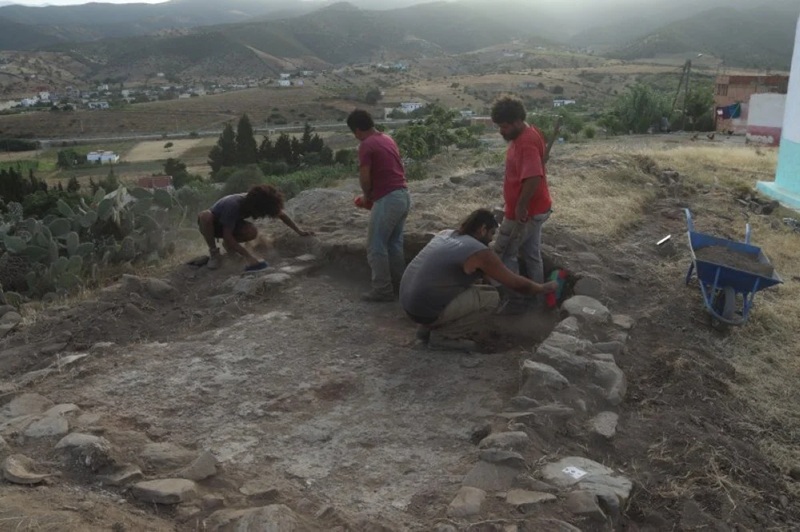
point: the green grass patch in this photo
(25, 165)
(316, 177)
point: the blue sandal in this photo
(257, 267)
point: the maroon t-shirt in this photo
(380, 153)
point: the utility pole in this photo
(686, 90)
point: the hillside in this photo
(754, 38)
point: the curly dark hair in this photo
(508, 110)
(476, 220)
(360, 120)
(261, 201)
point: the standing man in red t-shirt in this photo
(525, 190)
(383, 183)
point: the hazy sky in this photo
(73, 2)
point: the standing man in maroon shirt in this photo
(527, 197)
(383, 184)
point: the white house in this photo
(97, 105)
(103, 87)
(408, 107)
(284, 83)
(562, 102)
(28, 102)
(285, 76)
(102, 157)
(299, 83)
(44, 96)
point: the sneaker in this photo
(441, 343)
(215, 260)
(377, 297)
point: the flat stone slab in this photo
(604, 424)
(467, 503)
(48, 426)
(272, 518)
(26, 404)
(506, 458)
(568, 471)
(516, 441)
(490, 477)
(87, 450)
(19, 469)
(568, 325)
(587, 309)
(8, 322)
(122, 475)
(166, 491)
(623, 322)
(202, 467)
(589, 286)
(527, 501)
(611, 378)
(167, 455)
(539, 375)
(568, 343)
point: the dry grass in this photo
(154, 150)
(766, 351)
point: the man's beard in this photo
(512, 135)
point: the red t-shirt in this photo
(523, 161)
(380, 153)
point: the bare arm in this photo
(232, 245)
(285, 218)
(491, 265)
(529, 186)
(365, 180)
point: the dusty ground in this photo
(329, 401)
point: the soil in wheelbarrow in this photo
(731, 258)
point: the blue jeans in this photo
(385, 240)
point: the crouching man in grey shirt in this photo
(438, 289)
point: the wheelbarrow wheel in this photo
(724, 305)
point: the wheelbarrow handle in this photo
(689, 221)
(747, 230)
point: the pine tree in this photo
(283, 148)
(246, 149)
(305, 140)
(266, 151)
(72, 185)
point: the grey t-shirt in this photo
(436, 275)
(227, 210)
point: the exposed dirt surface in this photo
(312, 399)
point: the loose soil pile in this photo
(731, 258)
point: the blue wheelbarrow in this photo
(720, 281)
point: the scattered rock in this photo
(605, 357)
(490, 477)
(541, 376)
(623, 322)
(68, 360)
(166, 455)
(306, 258)
(186, 512)
(166, 491)
(297, 269)
(8, 322)
(524, 403)
(584, 504)
(565, 363)
(604, 424)
(5, 309)
(467, 503)
(480, 432)
(533, 484)
(62, 410)
(568, 326)
(614, 348)
(122, 475)
(204, 466)
(795, 473)
(17, 425)
(552, 525)
(612, 379)
(568, 343)
(527, 501)
(499, 456)
(515, 441)
(606, 485)
(19, 469)
(26, 404)
(54, 425)
(570, 470)
(272, 518)
(590, 287)
(260, 489)
(587, 308)
(87, 450)
(155, 288)
(212, 502)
